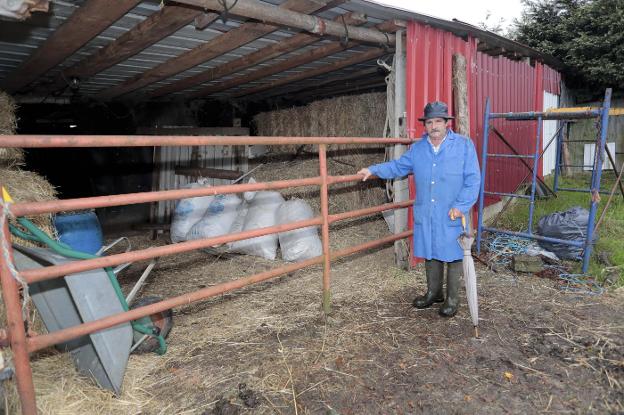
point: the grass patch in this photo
(610, 242)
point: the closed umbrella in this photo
(465, 241)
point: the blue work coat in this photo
(447, 179)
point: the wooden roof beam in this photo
(224, 43)
(307, 57)
(246, 61)
(86, 22)
(157, 26)
(354, 60)
(255, 9)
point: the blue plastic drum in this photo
(81, 231)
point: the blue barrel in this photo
(81, 231)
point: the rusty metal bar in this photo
(49, 141)
(52, 206)
(42, 341)
(325, 228)
(55, 271)
(36, 208)
(368, 211)
(15, 326)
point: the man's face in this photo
(436, 128)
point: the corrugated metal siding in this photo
(510, 85)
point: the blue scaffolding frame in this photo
(601, 114)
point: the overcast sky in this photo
(472, 12)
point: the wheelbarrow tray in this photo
(75, 299)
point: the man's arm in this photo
(390, 169)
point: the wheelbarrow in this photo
(87, 296)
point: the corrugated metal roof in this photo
(18, 40)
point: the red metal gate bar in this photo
(15, 330)
(322, 153)
(36, 208)
(53, 206)
(55, 271)
(48, 141)
(367, 211)
(42, 341)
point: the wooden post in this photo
(460, 96)
(460, 106)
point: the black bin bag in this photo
(570, 225)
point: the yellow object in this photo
(6, 196)
(464, 222)
(509, 376)
(612, 111)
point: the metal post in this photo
(400, 187)
(558, 152)
(538, 143)
(597, 174)
(325, 228)
(486, 131)
(16, 331)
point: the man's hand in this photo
(455, 214)
(365, 173)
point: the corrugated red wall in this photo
(511, 86)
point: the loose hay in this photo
(9, 157)
(27, 186)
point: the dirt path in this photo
(269, 349)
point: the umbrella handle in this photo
(463, 220)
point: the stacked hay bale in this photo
(347, 116)
(22, 185)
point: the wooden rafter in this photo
(354, 60)
(224, 43)
(156, 27)
(256, 9)
(246, 61)
(84, 24)
(307, 57)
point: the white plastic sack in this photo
(298, 244)
(188, 212)
(218, 218)
(248, 196)
(261, 213)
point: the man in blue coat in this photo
(447, 178)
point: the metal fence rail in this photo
(21, 344)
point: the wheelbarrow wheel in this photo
(163, 320)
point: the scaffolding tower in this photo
(564, 117)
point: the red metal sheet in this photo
(511, 85)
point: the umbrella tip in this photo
(476, 331)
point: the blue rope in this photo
(580, 283)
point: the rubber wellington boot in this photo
(449, 308)
(435, 274)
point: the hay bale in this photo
(9, 157)
(347, 116)
(27, 186)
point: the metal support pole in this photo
(400, 187)
(595, 187)
(325, 228)
(486, 131)
(558, 153)
(16, 330)
(538, 143)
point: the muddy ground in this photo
(269, 349)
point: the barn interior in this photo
(291, 68)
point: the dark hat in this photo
(436, 109)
